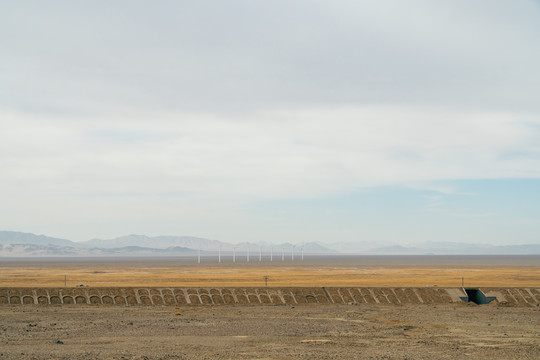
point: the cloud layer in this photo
(131, 113)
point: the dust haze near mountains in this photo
(19, 244)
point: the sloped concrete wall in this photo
(515, 296)
(259, 296)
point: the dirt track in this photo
(457, 331)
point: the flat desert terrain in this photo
(463, 331)
(486, 271)
(365, 331)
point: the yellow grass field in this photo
(231, 275)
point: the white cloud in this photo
(248, 56)
(183, 109)
(273, 154)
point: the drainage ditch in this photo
(476, 296)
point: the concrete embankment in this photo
(132, 296)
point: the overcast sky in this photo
(389, 121)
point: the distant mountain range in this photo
(31, 250)
(445, 248)
(157, 242)
(18, 244)
(12, 237)
(195, 243)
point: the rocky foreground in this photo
(453, 331)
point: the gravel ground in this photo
(463, 331)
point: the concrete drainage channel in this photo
(476, 296)
(153, 296)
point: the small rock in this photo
(58, 342)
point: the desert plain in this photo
(358, 331)
(491, 271)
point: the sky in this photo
(360, 121)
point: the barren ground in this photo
(512, 271)
(462, 331)
(453, 331)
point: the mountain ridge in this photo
(135, 245)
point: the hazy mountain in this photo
(156, 242)
(431, 248)
(360, 247)
(396, 250)
(13, 237)
(130, 242)
(25, 244)
(526, 249)
(162, 242)
(448, 248)
(315, 248)
(32, 250)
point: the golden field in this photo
(199, 275)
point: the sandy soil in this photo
(270, 332)
(329, 271)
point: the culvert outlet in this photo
(477, 296)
